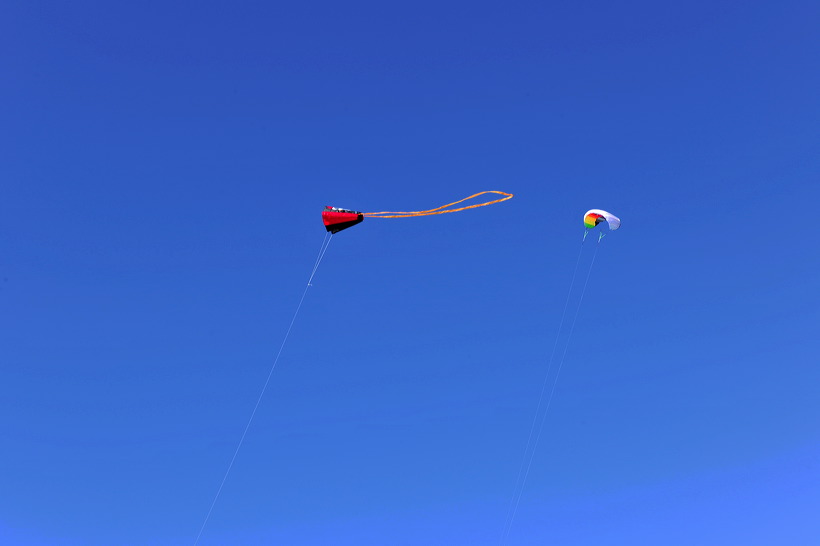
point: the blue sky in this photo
(163, 168)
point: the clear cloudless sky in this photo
(163, 166)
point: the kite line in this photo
(529, 454)
(507, 521)
(322, 250)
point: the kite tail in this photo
(444, 209)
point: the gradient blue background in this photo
(162, 169)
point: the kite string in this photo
(440, 210)
(543, 390)
(322, 250)
(552, 390)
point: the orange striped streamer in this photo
(444, 209)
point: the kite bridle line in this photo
(322, 250)
(441, 209)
